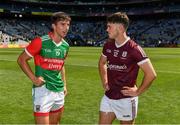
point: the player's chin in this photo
(110, 36)
(64, 35)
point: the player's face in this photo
(113, 30)
(61, 28)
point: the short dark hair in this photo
(59, 16)
(119, 17)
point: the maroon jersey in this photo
(122, 65)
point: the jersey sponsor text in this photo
(117, 67)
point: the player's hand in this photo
(38, 81)
(106, 86)
(65, 90)
(129, 91)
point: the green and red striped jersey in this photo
(49, 59)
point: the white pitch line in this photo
(174, 72)
(83, 65)
(162, 71)
(7, 60)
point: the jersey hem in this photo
(60, 90)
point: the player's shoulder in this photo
(36, 40)
(65, 42)
(45, 37)
(134, 47)
(132, 44)
(39, 39)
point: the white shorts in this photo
(125, 109)
(46, 101)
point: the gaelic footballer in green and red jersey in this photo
(49, 59)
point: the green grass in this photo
(159, 105)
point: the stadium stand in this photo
(154, 23)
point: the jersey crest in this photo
(124, 54)
(116, 53)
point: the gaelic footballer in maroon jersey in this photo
(119, 64)
(122, 65)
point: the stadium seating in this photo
(153, 23)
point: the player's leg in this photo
(106, 114)
(55, 116)
(42, 120)
(57, 108)
(106, 117)
(131, 122)
(42, 104)
(126, 110)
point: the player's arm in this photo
(23, 63)
(103, 72)
(149, 76)
(63, 73)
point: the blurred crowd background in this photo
(153, 23)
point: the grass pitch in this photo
(159, 105)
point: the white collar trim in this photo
(128, 38)
(58, 44)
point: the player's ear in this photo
(121, 27)
(53, 26)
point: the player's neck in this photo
(121, 39)
(56, 38)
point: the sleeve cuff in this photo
(143, 61)
(103, 55)
(28, 53)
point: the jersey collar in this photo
(128, 38)
(56, 44)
